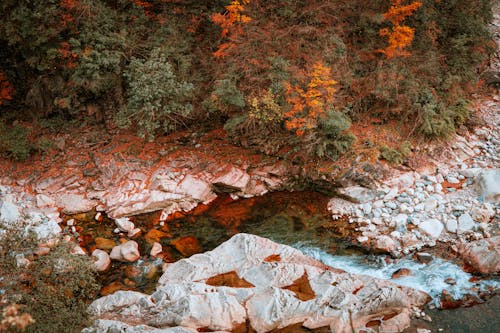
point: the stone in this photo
(102, 260)
(465, 223)
(9, 212)
(234, 284)
(482, 214)
(156, 249)
(431, 227)
(401, 273)
(124, 224)
(385, 244)
(406, 209)
(470, 173)
(357, 194)
(483, 255)
(231, 179)
(155, 236)
(197, 189)
(488, 185)
(43, 200)
(397, 323)
(430, 204)
(424, 257)
(74, 204)
(400, 219)
(452, 225)
(187, 246)
(127, 252)
(452, 180)
(104, 243)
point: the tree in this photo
(312, 103)
(230, 22)
(399, 36)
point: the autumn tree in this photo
(230, 22)
(399, 36)
(311, 103)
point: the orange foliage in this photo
(399, 36)
(230, 22)
(6, 89)
(312, 103)
(69, 58)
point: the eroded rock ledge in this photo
(250, 279)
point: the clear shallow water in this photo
(429, 277)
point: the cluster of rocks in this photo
(457, 203)
(250, 280)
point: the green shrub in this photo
(396, 156)
(54, 289)
(225, 98)
(157, 100)
(14, 142)
(332, 138)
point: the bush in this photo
(157, 100)
(225, 99)
(54, 289)
(332, 138)
(396, 156)
(14, 142)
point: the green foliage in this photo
(55, 289)
(439, 121)
(396, 156)
(14, 142)
(332, 138)
(225, 98)
(157, 100)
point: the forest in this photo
(285, 77)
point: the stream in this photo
(301, 220)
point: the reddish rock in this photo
(155, 236)
(400, 273)
(302, 288)
(104, 243)
(230, 279)
(482, 255)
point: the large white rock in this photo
(9, 212)
(488, 185)
(483, 255)
(280, 287)
(465, 223)
(357, 194)
(431, 227)
(197, 189)
(74, 203)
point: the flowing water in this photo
(298, 219)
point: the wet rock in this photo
(424, 257)
(155, 236)
(401, 273)
(104, 243)
(271, 298)
(102, 260)
(431, 227)
(397, 323)
(187, 246)
(483, 255)
(128, 252)
(197, 189)
(156, 249)
(488, 185)
(465, 223)
(74, 204)
(357, 194)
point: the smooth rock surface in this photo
(483, 255)
(272, 286)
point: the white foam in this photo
(429, 278)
